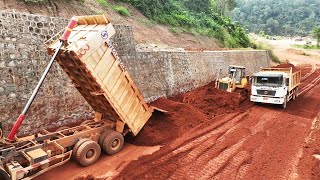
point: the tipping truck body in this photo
(92, 63)
(98, 73)
(275, 86)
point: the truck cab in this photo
(275, 86)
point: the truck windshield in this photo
(268, 81)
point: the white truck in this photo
(275, 86)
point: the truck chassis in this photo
(33, 155)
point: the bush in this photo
(122, 10)
(102, 3)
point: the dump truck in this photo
(236, 81)
(275, 86)
(84, 51)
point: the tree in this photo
(316, 34)
(285, 17)
(225, 6)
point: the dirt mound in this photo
(210, 100)
(288, 65)
(185, 111)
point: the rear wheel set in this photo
(112, 143)
(87, 151)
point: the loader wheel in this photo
(103, 136)
(113, 143)
(88, 153)
(62, 128)
(77, 145)
(3, 174)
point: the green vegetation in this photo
(316, 34)
(197, 17)
(306, 46)
(120, 9)
(274, 17)
(265, 46)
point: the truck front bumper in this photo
(270, 100)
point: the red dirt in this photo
(185, 111)
(265, 142)
(288, 65)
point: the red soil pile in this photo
(288, 65)
(185, 111)
(210, 100)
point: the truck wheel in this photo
(3, 174)
(77, 145)
(294, 95)
(103, 136)
(88, 153)
(297, 92)
(113, 143)
(284, 105)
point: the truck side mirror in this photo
(287, 81)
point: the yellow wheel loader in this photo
(236, 81)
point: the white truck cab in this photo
(275, 86)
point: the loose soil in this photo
(185, 111)
(288, 65)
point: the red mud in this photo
(288, 65)
(185, 111)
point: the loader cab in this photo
(238, 73)
(236, 79)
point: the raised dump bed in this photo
(98, 73)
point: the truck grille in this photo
(266, 92)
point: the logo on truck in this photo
(104, 35)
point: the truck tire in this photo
(103, 136)
(113, 142)
(294, 95)
(77, 145)
(88, 153)
(297, 92)
(284, 105)
(3, 174)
